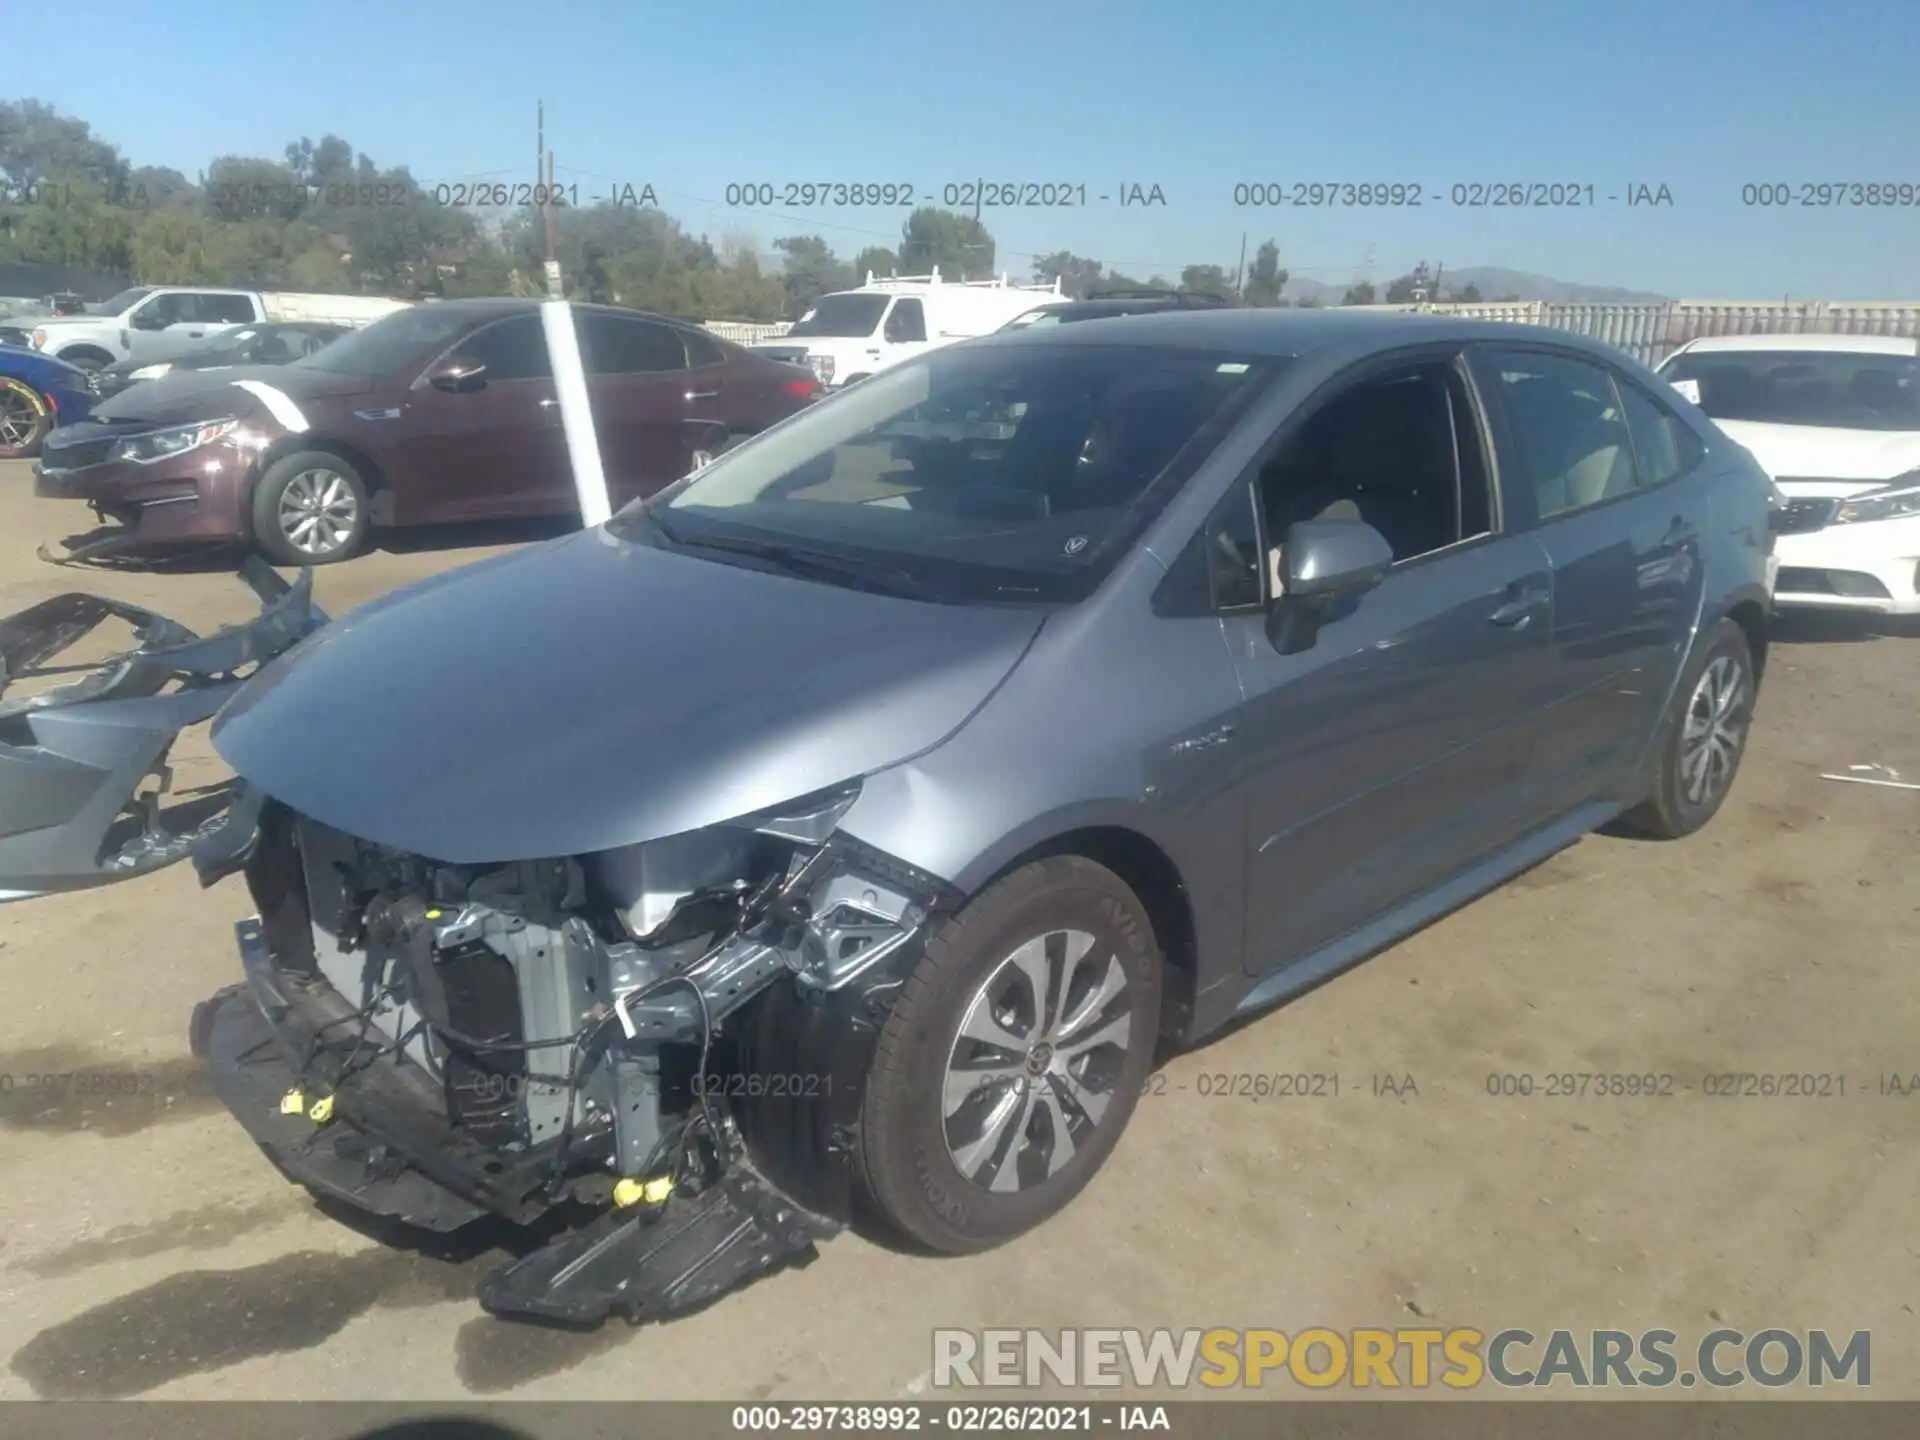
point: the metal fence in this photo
(1651, 332)
(747, 332)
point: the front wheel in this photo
(310, 508)
(1013, 1058)
(1698, 749)
(25, 420)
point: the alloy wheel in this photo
(1035, 1064)
(1714, 731)
(318, 511)
(18, 418)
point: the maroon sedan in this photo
(442, 412)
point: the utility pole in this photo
(1438, 271)
(554, 289)
(1240, 270)
(543, 194)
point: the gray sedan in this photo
(846, 826)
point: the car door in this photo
(1394, 751)
(494, 451)
(1623, 536)
(905, 330)
(160, 323)
(642, 394)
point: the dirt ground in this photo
(147, 1248)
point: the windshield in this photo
(231, 344)
(392, 343)
(845, 317)
(1033, 318)
(1830, 389)
(125, 300)
(991, 473)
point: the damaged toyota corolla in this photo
(842, 829)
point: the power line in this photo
(893, 237)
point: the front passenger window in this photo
(514, 349)
(1400, 452)
(1570, 430)
(906, 322)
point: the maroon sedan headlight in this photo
(174, 440)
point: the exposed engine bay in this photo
(626, 1032)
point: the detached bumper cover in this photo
(74, 757)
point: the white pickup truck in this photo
(159, 318)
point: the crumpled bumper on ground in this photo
(74, 757)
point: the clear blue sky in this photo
(1194, 97)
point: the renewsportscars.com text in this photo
(1459, 1358)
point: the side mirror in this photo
(1323, 563)
(149, 320)
(459, 377)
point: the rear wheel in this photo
(310, 508)
(1702, 740)
(1013, 1060)
(25, 419)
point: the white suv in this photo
(1835, 419)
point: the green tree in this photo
(1358, 293)
(875, 260)
(1077, 275)
(39, 144)
(1468, 294)
(958, 246)
(1265, 279)
(809, 271)
(1206, 280)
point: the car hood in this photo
(1811, 460)
(182, 395)
(592, 692)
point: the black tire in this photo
(88, 360)
(1675, 805)
(302, 485)
(908, 1138)
(25, 419)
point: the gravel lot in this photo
(147, 1248)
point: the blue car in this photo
(38, 392)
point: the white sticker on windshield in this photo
(1690, 389)
(279, 404)
(1233, 367)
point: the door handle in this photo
(1678, 533)
(1518, 608)
(692, 395)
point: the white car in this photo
(1835, 420)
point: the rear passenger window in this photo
(1664, 445)
(702, 349)
(616, 345)
(224, 309)
(1569, 429)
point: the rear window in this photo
(1830, 389)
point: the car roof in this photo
(491, 306)
(1831, 344)
(1291, 333)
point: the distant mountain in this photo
(1494, 282)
